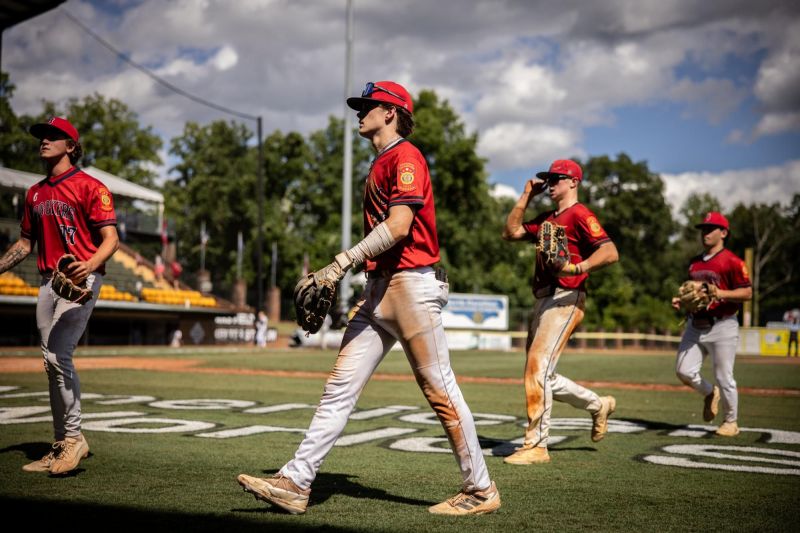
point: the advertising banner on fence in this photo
(769, 341)
(476, 311)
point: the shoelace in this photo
(66, 447)
(54, 451)
(472, 500)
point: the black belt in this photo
(441, 274)
(703, 322)
(376, 274)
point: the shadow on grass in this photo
(32, 450)
(328, 484)
(38, 515)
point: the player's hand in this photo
(78, 271)
(676, 303)
(535, 186)
(569, 269)
(713, 291)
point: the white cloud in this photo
(500, 190)
(774, 184)
(516, 145)
(774, 123)
(529, 76)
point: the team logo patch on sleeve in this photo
(406, 174)
(594, 226)
(105, 200)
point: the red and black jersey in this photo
(399, 176)
(64, 214)
(584, 236)
(725, 270)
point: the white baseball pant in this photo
(61, 324)
(720, 341)
(404, 306)
(554, 319)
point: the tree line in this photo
(214, 182)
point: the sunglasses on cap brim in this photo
(370, 88)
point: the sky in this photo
(706, 93)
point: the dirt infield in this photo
(14, 365)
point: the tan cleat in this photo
(600, 419)
(278, 490)
(74, 450)
(43, 464)
(464, 503)
(711, 405)
(728, 429)
(528, 455)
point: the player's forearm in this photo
(742, 294)
(380, 239)
(606, 255)
(513, 229)
(15, 255)
(104, 252)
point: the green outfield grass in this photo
(179, 481)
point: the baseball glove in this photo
(313, 297)
(696, 295)
(553, 246)
(65, 287)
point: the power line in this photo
(159, 80)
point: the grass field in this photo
(151, 468)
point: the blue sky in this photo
(708, 93)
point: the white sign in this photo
(476, 311)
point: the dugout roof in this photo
(17, 179)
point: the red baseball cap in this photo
(55, 123)
(714, 218)
(383, 91)
(563, 167)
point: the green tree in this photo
(18, 149)
(629, 201)
(773, 233)
(215, 185)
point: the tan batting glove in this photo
(336, 270)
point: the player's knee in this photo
(685, 377)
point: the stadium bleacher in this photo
(127, 279)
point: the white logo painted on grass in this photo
(740, 458)
(752, 459)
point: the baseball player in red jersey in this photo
(68, 212)
(402, 302)
(560, 302)
(715, 330)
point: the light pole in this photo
(260, 237)
(347, 167)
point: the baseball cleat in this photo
(711, 405)
(728, 429)
(43, 464)
(464, 503)
(528, 455)
(75, 449)
(600, 419)
(278, 490)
